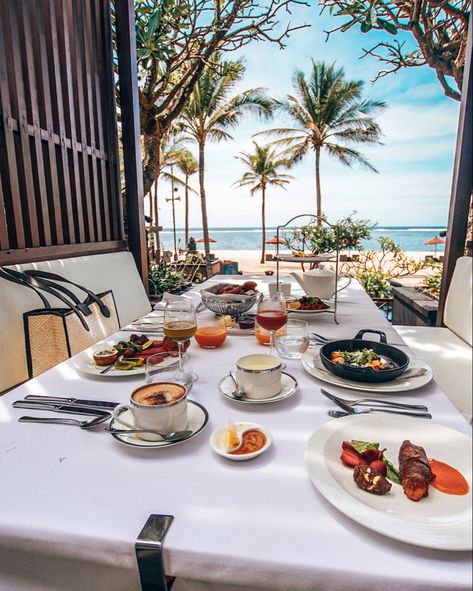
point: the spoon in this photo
(237, 393)
(174, 436)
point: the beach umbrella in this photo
(201, 240)
(275, 240)
(434, 242)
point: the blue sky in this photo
(415, 163)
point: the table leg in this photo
(148, 548)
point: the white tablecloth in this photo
(73, 502)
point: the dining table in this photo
(74, 503)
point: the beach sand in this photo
(249, 263)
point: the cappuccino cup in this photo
(259, 376)
(284, 288)
(161, 406)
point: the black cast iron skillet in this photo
(397, 359)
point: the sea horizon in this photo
(409, 237)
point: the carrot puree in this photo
(253, 440)
(448, 479)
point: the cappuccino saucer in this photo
(198, 419)
(288, 383)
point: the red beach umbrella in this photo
(275, 240)
(434, 242)
(201, 240)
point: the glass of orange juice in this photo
(263, 336)
(211, 331)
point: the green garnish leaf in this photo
(362, 446)
(393, 473)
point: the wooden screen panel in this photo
(59, 169)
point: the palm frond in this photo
(348, 156)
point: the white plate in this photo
(198, 419)
(331, 308)
(85, 362)
(289, 388)
(438, 521)
(240, 428)
(395, 386)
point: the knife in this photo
(65, 408)
(102, 404)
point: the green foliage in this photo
(375, 283)
(346, 234)
(375, 268)
(433, 282)
(162, 277)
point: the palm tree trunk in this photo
(317, 185)
(263, 223)
(156, 219)
(186, 225)
(150, 239)
(203, 206)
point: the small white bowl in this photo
(240, 427)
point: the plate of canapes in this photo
(406, 478)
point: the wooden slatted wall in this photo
(59, 166)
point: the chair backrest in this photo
(458, 305)
(115, 271)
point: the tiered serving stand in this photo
(310, 259)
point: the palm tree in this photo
(263, 170)
(188, 166)
(170, 157)
(330, 113)
(211, 111)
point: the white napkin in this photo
(193, 296)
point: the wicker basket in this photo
(234, 305)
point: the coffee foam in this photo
(162, 393)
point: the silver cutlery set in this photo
(100, 411)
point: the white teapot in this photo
(321, 283)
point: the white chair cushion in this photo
(458, 305)
(115, 271)
(450, 358)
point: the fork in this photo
(53, 421)
(340, 413)
(375, 401)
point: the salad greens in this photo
(359, 357)
(392, 472)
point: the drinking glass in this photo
(271, 314)
(295, 340)
(179, 323)
(176, 373)
(211, 331)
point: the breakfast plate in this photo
(313, 365)
(330, 308)
(439, 521)
(218, 440)
(198, 419)
(85, 363)
(288, 383)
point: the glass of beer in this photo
(179, 323)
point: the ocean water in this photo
(410, 238)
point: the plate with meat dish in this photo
(126, 357)
(422, 496)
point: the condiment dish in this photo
(218, 440)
